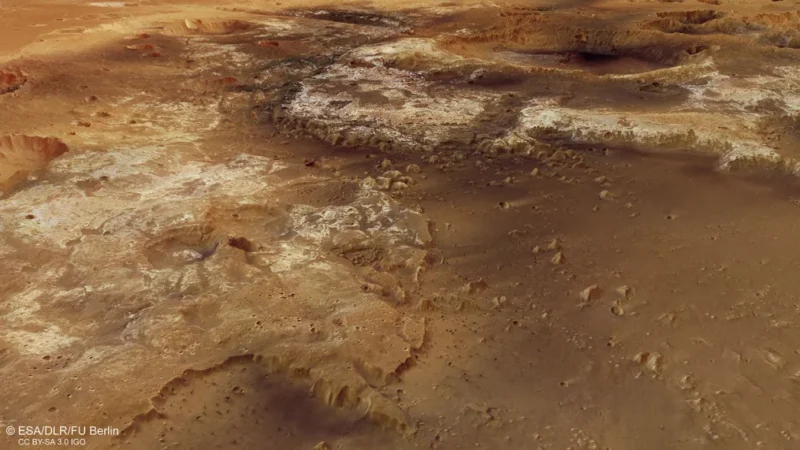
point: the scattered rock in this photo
(425, 304)
(666, 318)
(413, 168)
(654, 362)
(732, 355)
(625, 291)
(477, 75)
(481, 415)
(687, 382)
(392, 174)
(774, 359)
(386, 164)
(465, 305)
(555, 244)
(591, 293)
(600, 180)
(504, 205)
(383, 182)
(369, 183)
(499, 301)
(606, 195)
(536, 250)
(475, 286)
(399, 186)
(558, 258)
(559, 155)
(413, 332)
(407, 180)
(322, 446)
(651, 361)
(616, 308)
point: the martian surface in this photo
(423, 224)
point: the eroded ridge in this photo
(465, 87)
(20, 155)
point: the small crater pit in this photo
(11, 81)
(273, 221)
(182, 247)
(243, 244)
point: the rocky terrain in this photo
(527, 225)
